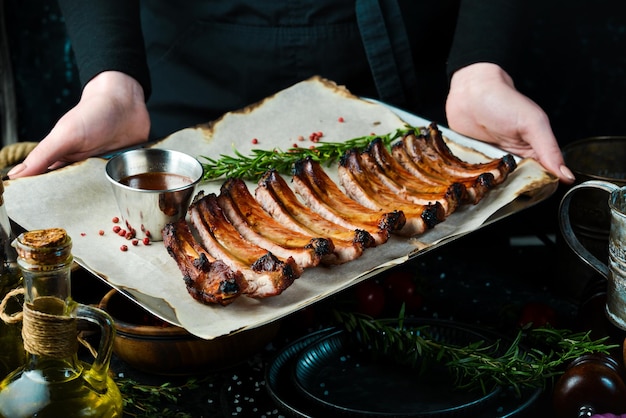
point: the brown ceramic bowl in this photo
(153, 346)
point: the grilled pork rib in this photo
(365, 186)
(377, 161)
(258, 227)
(475, 187)
(277, 198)
(207, 280)
(323, 196)
(266, 274)
(431, 155)
(370, 192)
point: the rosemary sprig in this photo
(253, 166)
(478, 365)
(142, 400)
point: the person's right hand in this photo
(110, 115)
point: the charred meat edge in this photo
(370, 192)
(265, 274)
(278, 199)
(207, 280)
(323, 196)
(260, 228)
(406, 185)
(476, 187)
(430, 144)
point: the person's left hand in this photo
(484, 104)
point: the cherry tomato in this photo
(536, 315)
(370, 298)
(401, 289)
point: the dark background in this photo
(574, 65)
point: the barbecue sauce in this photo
(156, 181)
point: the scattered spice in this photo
(255, 141)
(123, 247)
(316, 136)
(101, 232)
(340, 119)
(117, 229)
(115, 219)
(135, 242)
(146, 241)
(83, 234)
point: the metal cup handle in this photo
(566, 226)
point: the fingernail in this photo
(567, 172)
(16, 170)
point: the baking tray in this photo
(79, 198)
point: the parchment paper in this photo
(79, 198)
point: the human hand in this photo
(484, 104)
(110, 115)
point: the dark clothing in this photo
(209, 57)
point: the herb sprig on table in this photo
(533, 357)
(253, 166)
(141, 400)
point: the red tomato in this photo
(537, 314)
(401, 289)
(370, 298)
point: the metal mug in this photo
(593, 158)
(615, 269)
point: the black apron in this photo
(210, 57)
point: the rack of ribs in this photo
(257, 244)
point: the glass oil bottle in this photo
(54, 382)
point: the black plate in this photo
(278, 378)
(293, 402)
(341, 374)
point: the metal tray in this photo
(79, 199)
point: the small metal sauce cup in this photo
(147, 211)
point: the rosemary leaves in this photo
(253, 166)
(529, 360)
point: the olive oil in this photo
(53, 382)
